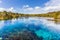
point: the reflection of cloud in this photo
(35, 21)
(1, 24)
(13, 21)
(51, 24)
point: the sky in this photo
(30, 6)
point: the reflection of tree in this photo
(57, 21)
(7, 22)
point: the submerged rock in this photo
(22, 35)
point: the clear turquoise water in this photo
(41, 26)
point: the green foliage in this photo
(9, 15)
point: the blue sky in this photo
(29, 6)
(21, 3)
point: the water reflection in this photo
(57, 21)
(44, 28)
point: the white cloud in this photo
(50, 6)
(2, 9)
(37, 7)
(11, 9)
(53, 5)
(28, 9)
(8, 9)
(25, 6)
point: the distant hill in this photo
(52, 14)
(9, 15)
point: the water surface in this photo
(42, 27)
